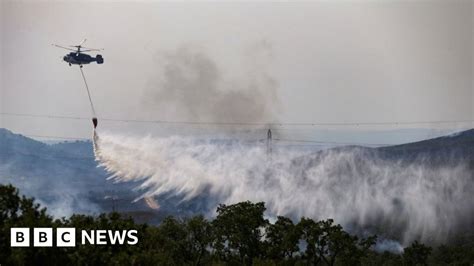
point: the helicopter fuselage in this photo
(75, 58)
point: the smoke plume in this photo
(191, 86)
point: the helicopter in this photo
(78, 57)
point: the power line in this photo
(270, 124)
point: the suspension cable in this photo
(88, 93)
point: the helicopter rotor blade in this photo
(78, 45)
(92, 49)
(89, 50)
(59, 46)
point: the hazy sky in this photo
(328, 61)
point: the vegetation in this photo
(239, 235)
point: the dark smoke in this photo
(193, 87)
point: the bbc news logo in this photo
(66, 237)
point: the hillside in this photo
(65, 176)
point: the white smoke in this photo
(388, 245)
(406, 202)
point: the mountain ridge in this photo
(68, 169)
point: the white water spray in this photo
(359, 191)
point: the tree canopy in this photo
(240, 234)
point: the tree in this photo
(9, 206)
(239, 235)
(172, 242)
(327, 242)
(199, 237)
(310, 233)
(16, 211)
(416, 254)
(238, 231)
(282, 239)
